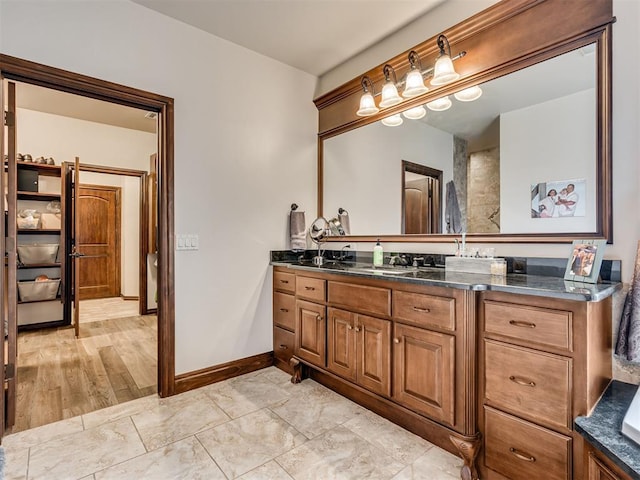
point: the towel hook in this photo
(341, 211)
(294, 207)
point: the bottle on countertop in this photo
(378, 255)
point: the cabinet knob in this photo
(357, 329)
(522, 381)
(420, 309)
(349, 327)
(285, 310)
(283, 347)
(318, 317)
(521, 455)
(396, 340)
(518, 323)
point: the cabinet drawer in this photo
(283, 343)
(310, 288)
(427, 310)
(361, 297)
(530, 384)
(285, 282)
(530, 324)
(284, 310)
(520, 450)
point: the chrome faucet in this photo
(398, 259)
(343, 256)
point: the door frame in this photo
(144, 224)
(13, 68)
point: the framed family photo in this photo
(585, 260)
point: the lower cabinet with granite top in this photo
(543, 361)
(599, 467)
(494, 377)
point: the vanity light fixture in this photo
(468, 94)
(390, 95)
(439, 104)
(415, 113)
(392, 121)
(414, 84)
(443, 71)
(367, 104)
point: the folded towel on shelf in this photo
(297, 231)
(628, 344)
(343, 218)
(452, 214)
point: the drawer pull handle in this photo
(522, 382)
(396, 340)
(318, 317)
(283, 347)
(284, 281)
(420, 309)
(309, 288)
(517, 323)
(285, 310)
(522, 456)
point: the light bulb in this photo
(414, 84)
(415, 113)
(443, 71)
(390, 95)
(367, 106)
(440, 104)
(468, 94)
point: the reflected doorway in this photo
(421, 199)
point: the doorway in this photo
(16, 69)
(421, 199)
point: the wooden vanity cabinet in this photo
(543, 362)
(599, 467)
(284, 318)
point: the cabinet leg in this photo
(468, 450)
(297, 370)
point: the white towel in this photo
(343, 218)
(297, 231)
(628, 344)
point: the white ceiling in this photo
(311, 35)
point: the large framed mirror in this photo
(528, 161)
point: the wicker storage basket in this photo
(38, 253)
(36, 291)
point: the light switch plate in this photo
(187, 241)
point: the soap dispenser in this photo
(378, 255)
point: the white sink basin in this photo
(631, 422)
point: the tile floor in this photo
(255, 427)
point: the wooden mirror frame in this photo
(507, 37)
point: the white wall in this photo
(245, 149)
(64, 138)
(363, 171)
(563, 149)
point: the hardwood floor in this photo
(113, 361)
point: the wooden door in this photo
(424, 363)
(311, 336)
(99, 241)
(416, 208)
(8, 141)
(374, 354)
(341, 355)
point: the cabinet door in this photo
(598, 470)
(341, 345)
(311, 332)
(374, 354)
(424, 363)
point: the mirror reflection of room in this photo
(518, 133)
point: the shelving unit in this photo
(50, 312)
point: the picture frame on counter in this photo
(585, 259)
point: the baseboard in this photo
(199, 378)
(128, 297)
(149, 311)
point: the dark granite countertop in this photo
(537, 285)
(602, 428)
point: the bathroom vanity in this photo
(493, 369)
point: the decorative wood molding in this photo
(207, 376)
